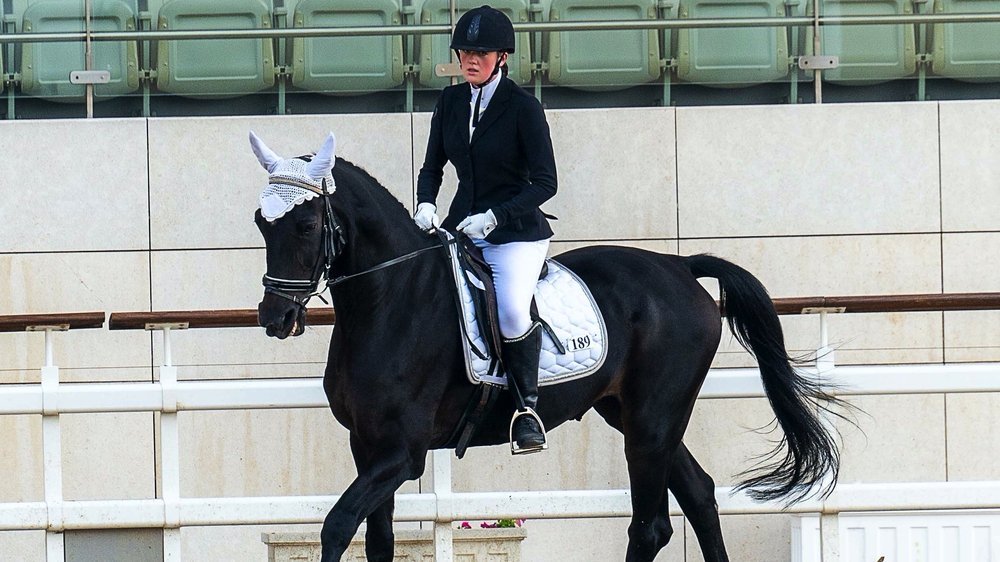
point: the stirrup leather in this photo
(514, 449)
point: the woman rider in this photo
(495, 135)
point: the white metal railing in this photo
(171, 511)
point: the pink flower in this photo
(465, 525)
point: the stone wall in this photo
(156, 214)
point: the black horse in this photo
(395, 373)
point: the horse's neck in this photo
(378, 231)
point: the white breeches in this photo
(516, 266)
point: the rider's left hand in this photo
(478, 226)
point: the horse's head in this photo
(301, 234)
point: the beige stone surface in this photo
(75, 282)
(613, 183)
(841, 265)
(973, 436)
(969, 267)
(898, 439)
(107, 456)
(765, 205)
(22, 458)
(577, 540)
(22, 546)
(235, 543)
(833, 265)
(807, 169)
(265, 452)
(73, 185)
(970, 170)
(204, 179)
(750, 537)
(661, 246)
(233, 352)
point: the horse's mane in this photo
(373, 187)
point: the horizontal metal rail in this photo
(527, 27)
(61, 321)
(448, 507)
(236, 318)
(257, 394)
(921, 302)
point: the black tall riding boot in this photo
(520, 359)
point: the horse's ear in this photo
(265, 155)
(324, 159)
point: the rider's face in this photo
(477, 66)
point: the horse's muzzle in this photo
(280, 317)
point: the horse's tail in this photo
(810, 450)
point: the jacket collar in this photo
(498, 104)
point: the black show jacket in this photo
(508, 167)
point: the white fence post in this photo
(170, 480)
(52, 451)
(443, 548)
(829, 522)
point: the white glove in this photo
(478, 226)
(426, 217)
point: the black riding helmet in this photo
(483, 29)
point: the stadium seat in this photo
(434, 48)
(603, 60)
(214, 68)
(45, 67)
(727, 57)
(966, 51)
(868, 53)
(346, 65)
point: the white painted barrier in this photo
(171, 511)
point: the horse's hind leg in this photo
(695, 493)
(649, 450)
(692, 487)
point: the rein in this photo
(333, 246)
(385, 264)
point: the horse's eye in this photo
(306, 228)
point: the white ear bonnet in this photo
(292, 181)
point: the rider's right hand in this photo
(426, 217)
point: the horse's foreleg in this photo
(379, 540)
(695, 493)
(370, 491)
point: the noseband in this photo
(333, 245)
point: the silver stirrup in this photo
(514, 449)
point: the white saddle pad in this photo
(565, 303)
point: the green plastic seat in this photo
(434, 49)
(732, 57)
(213, 68)
(45, 67)
(967, 51)
(603, 60)
(868, 53)
(346, 65)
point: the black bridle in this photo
(300, 291)
(333, 245)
